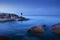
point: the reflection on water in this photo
(18, 30)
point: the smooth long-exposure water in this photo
(17, 30)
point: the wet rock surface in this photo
(56, 29)
(5, 17)
(37, 30)
(22, 18)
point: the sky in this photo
(31, 7)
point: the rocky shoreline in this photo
(40, 30)
(4, 17)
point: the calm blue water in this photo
(18, 30)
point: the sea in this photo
(17, 30)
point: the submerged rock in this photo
(56, 28)
(4, 38)
(37, 30)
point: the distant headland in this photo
(4, 17)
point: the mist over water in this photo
(40, 12)
(18, 28)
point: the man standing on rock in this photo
(21, 14)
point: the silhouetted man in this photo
(21, 14)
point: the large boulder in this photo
(56, 28)
(5, 17)
(37, 30)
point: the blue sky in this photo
(31, 7)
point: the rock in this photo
(5, 17)
(4, 38)
(56, 28)
(22, 18)
(37, 30)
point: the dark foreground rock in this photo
(5, 17)
(56, 28)
(4, 38)
(37, 30)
